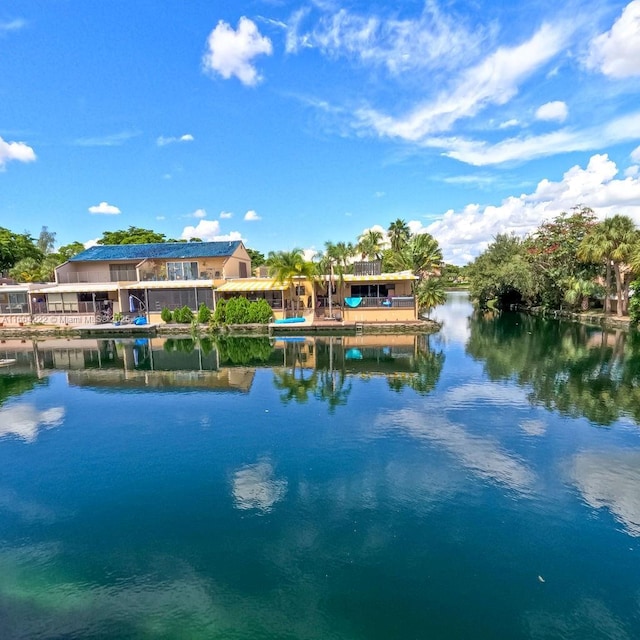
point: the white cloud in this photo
(105, 208)
(251, 216)
(463, 234)
(162, 141)
(25, 421)
(209, 231)
(111, 140)
(478, 153)
(507, 124)
(225, 215)
(231, 53)
(635, 155)
(12, 25)
(494, 80)
(160, 217)
(199, 213)
(432, 40)
(379, 194)
(556, 110)
(91, 243)
(18, 151)
(616, 52)
(256, 487)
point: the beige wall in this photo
(379, 314)
(232, 265)
(72, 272)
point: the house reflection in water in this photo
(222, 363)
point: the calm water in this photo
(481, 483)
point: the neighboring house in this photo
(14, 303)
(367, 295)
(139, 279)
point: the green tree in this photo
(554, 249)
(399, 234)
(287, 266)
(46, 240)
(613, 241)
(132, 235)
(370, 244)
(430, 293)
(503, 272)
(69, 250)
(421, 255)
(15, 247)
(257, 258)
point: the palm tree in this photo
(287, 266)
(430, 293)
(613, 242)
(399, 234)
(370, 244)
(421, 255)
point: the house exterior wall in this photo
(377, 314)
(74, 272)
(232, 264)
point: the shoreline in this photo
(258, 330)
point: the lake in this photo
(479, 483)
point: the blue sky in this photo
(292, 123)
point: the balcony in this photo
(395, 302)
(79, 277)
(371, 268)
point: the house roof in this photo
(168, 250)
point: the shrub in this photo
(166, 315)
(219, 315)
(184, 315)
(260, 312)
(204, 314)
(237, 311)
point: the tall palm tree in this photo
(421, 255)
(612, 241)
(399, 234)
(287, 266)
(370, 244)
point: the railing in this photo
(151, 276)
(76, 277)
(370, 268)
(14, 308)
(65, 307)
(396, 302)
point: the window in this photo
(125, 271)
(243, 269)
(182, 270)
(300, 290)
(369, 290)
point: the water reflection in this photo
(255, 486)
(303, 368)
(571, 368)
(611, 479)
(25, 421)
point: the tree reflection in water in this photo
(569, 367)
(325, 367)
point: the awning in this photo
(400, 276)
(83, 287)
(252, 284)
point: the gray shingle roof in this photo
(169, 250)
